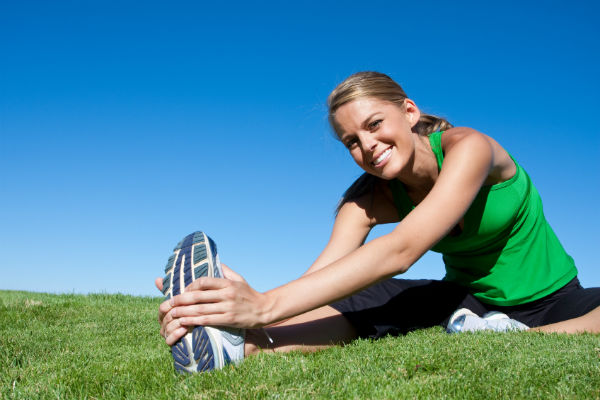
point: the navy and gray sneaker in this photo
(203, 348)
(464, 320)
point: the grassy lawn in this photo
(108, 346)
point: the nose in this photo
(368, 141)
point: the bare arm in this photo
(350, 230)
(353, 224)
(467, 164)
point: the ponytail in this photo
(430, 123)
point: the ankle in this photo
(256, 342)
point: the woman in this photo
(452, 190)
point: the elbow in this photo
(401, 258)
(404, 250)
(400, 265)
(402, 269)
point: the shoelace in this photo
(267, 335)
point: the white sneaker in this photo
(203, 348)
(464, 320)
(502, 322)
(494, 315)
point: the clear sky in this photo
(126, 125)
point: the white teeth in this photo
(382, 157)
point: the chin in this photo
(387, 177)
(387, 174)
(380, 175)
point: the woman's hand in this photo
(214, 302)
(170, 328)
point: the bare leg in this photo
(315, 330)
(325, 327)
(589, 322)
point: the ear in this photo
(412, 112)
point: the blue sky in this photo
(126, 125)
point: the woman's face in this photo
(378, 134)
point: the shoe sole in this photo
(201, 348)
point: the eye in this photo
(375, 124)
(351, 143)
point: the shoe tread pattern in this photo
(191, 261)
(203, 354)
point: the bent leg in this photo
(589, 322)
(314, 330)
(398, 306)
(577, 311)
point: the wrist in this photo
(268, 314)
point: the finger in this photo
(207, 283)
(167, 318)
(171, 327)
(231, 274)
(177, 334)
(197, 310)
(159, 283)
(163, 309)
(166, 323)
(214, 320)
(196, 296)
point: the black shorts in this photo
(398, 306)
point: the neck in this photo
(420, 174)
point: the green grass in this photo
(107, 346)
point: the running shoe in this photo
(502, 322)
(203, 348)
(464, 320)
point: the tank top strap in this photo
(435, 140)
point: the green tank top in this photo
(507, 253)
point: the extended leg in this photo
(393, 307)
(315, 330)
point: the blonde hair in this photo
(382, 87)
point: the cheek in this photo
(357, 156)
(393, 135)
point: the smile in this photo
(384, 156)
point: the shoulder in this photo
(461, 134)
(469, 144)
(372, 208)
(466, 149)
